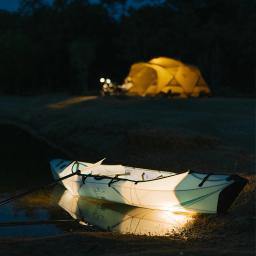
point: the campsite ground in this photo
(215, 134)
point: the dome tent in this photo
(166, 76)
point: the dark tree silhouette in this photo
(68, 45)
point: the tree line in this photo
(68, 45)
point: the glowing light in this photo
(70, 101)
(108, 81)
(124, 219)
(102, 80)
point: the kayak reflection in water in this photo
(123, 219)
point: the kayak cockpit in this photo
(139, 174)
(118, 171)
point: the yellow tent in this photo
(165, 76)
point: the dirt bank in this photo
(209, 134)
(109, 244)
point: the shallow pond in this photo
(25, 164)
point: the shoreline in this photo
(207, 134)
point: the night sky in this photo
(10, 5)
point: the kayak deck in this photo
(154, 189)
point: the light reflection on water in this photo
(122, 218)
(35, 215)
(48, 213)
(24, 165)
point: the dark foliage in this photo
(68, 45)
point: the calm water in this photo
(36, 215)
(25, 164)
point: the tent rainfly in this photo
(165, 76)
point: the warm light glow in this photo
(168, 76)
(141, 221)
(108, 81)
(70, 101)
(102, 80)
(177, 209)
(124, 219)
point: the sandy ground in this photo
(108, 244)
(214, 134)
(209, 134)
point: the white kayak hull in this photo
(184, 192)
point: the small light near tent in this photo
(108, 81)
(102, 80)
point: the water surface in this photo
(25, 165)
